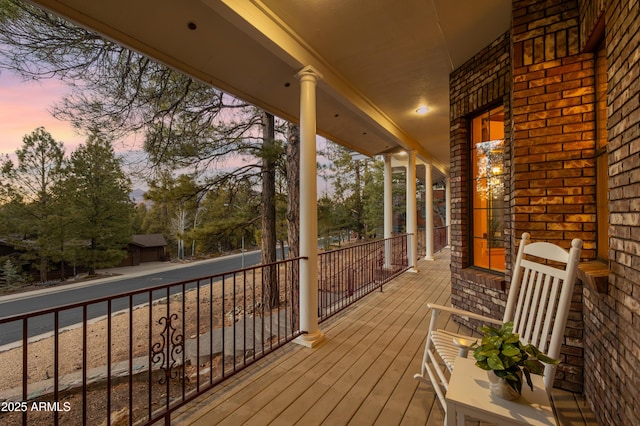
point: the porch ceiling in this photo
(379, 59)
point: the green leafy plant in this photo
(502, 352)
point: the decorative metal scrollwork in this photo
(166, 352)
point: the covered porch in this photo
(361, 374)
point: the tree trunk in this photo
(293, 190)
(44, 267)
(293, 214)
(282, 249)
(271, 295)
(358, 194)
(63, 273)
(92, 266)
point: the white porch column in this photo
(388, 209)
(447, 203)
(412, 217)
(428, 211)
(308, 210)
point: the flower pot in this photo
(500, 388)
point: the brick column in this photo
(482, 82)
(554, 143)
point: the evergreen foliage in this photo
(30, 191)
(100, 205)
(10, 274)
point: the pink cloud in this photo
(25, 106)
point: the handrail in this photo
(153, 288)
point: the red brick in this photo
(560, 226)
(580, 218)
(546, 183)
(552, 130)
(529, 209)
(565, 191)
(546, 200)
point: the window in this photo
(602, 158)
(487, 190)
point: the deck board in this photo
(362, 374)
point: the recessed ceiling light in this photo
(422, 109)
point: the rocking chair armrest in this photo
(463, 313)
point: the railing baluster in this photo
(286, 302)
(109, 362)
(253, 318)
(184, 320)
(150, 350)
(223, 325)
(131, 351)
(279, 307)
(253, 285)
(56, 370)
(168, 349)
(233, 321)
(197, 336)
(271, 288)
(85, 348)
(211, 331)
(25, 364)
(244, 321)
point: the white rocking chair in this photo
(538, 304)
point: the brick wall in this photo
(612, 320)
(549, 102)
(483, 81)
(548, 93)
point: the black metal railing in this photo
(439, 239)
(348, 274)
(136, 357)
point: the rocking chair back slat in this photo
(545, 306)
(544, 295)
(527, 320)
(554, 303)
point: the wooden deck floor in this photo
(361, 375)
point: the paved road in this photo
(58, 296)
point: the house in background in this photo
(6, 249)
(145, 248)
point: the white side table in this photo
(469, 395)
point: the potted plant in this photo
(501, 353)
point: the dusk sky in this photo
(25, 106)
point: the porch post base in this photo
(310, 340)
(413, 269)
(429, 258)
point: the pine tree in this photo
(10, 274)
(102, 210)
(29, 185)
